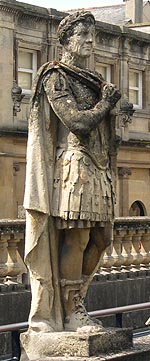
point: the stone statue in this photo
(69, 195)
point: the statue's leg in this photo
(40, 318)
(73, 248)
(100, 239)
(74, 244)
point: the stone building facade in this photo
(28, 38)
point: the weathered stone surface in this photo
(123, 292)
(140, 352)
(14, 306)
(5, 345)
(78, 344)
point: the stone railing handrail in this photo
(129, 251)
(12, 224)
(132, 222)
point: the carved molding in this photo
(137, 45)
(105, 39)
(17, 96)
(10, 10)
(16, 167)
(29, 17)
(125, 44)
(125, 113)
(122, 172)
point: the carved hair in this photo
(66, 26)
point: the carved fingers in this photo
(111, 94)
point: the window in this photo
(135, 88)
(105, 70)
(27, 67)
(137, 209)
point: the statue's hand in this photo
(111, 94)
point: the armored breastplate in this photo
(96, 144)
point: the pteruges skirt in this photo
(82, 192)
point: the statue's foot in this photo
(40, 326)
(80, 320)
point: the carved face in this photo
(81, 42)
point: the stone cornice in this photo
(24, 10)
(136, 143)
(135, 35)
(122, 32)
(40, 13)
(5, 8)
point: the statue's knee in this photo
(82, 245)
(83, 239)
(101, 237)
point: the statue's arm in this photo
(65, 106)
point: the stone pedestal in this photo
(75, 344)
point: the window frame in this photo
(108, 70)
(26, 70)
(139, 89)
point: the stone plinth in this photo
(79, 344)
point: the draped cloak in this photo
(41, 246)
(37, 200)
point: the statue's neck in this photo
(72, 60)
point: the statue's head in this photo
(76, 32)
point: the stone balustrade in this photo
(11, 262)
(129, 252)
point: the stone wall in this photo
(106, 292)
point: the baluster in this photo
(24, 270)
(14, 261)
(126, 251)
(117, 250)
(107, 261)
(3, 258)
(136, 253)
(145, 249)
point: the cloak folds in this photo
(41, 246)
